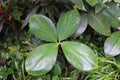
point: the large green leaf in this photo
(112, 14)
(79, 4)
(98, 8)
(41, 60)
(83, 25)
(92, 2)
(112, 44)
(67, 24)
(43, 28)
(99, 23)
(113, 21)
(79, 55)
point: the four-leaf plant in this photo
(41, 60)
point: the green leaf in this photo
(98, 8)
(4, 75)
(79, 4)
(83, 25)
(112, 14)
(102, 3)
(118, 1)
(92, 2)
(112, 44)
(10, 71)
(117, 59)
(57, 69)
(113, 21)
(16, 14)
(55, 77)
(67, 24)
(43, 28)
(99, 23)
(41, 60)
(79, 55)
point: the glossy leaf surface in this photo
(99, 23)
(112, 44)
(41, 60)
(79, 55)
(43, 28)
(67, 24)
(83, 25)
